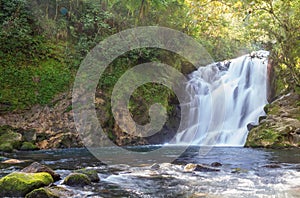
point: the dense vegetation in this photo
(42, 42)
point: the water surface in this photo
(244, 172)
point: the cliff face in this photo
(281, 127)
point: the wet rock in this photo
(261, 118)
(272, 166)
(42, 193)
(216, 164)
(19, 184)
(198, 195)
(92, 174)
(200, 168)
(155, 166)
(77, 179)
(250, 126)
(62, 192)
(36, 167)
(13, 161)
(239, 170)
(28, 146)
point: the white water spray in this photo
(230, 95)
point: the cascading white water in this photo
(229, 96)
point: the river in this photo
(245, 172)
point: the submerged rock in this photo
(92, 174)
(155, 166)
(272, 166)
(239, 170)
(36, 167)
(77, 179)
(19, 184)
(199, 167)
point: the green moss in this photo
(69, 108)
(269, 135)
(41, 193)
(92, 174)
(28, 146)
(6, 147)
(77, 179)
(273, 109)
(19, 184)
(5, 128)
(15, 139)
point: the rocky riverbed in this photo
(222, 172)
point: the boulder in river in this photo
(77, 179)
(18, 184)
(50, 192)
(200, 168)
(36, 167)
(42, 192)
(92, 174)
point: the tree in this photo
(276, 24)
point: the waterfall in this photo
(229, 96)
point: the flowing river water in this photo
(245, 172)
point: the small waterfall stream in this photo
(229, 96)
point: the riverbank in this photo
(52, 126)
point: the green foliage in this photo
(275, 24)
(21, 87)
(43, 42)
(16, 32)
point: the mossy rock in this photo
(6, 147)
(5, 128)
(50, 192)
(92, 174)
(19, 184)
(36, 167)
(42, 193)
(77, 179)
(15, 139)
(28, 146)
